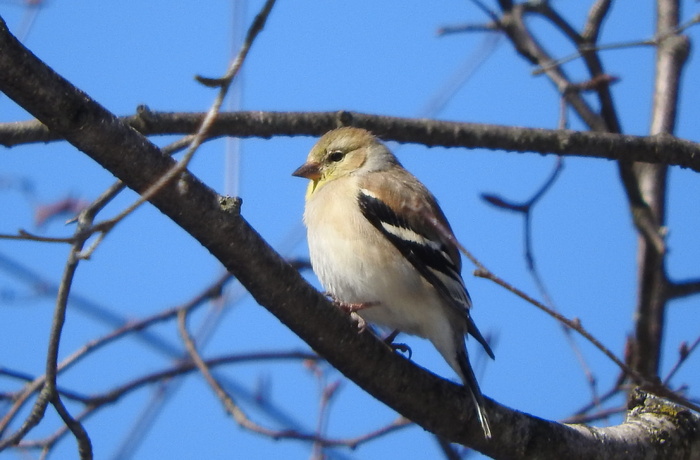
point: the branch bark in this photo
(660, 148)
(437, 405)
(653, 285)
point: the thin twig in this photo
(487, 11)
(95, 207)
(614, 390)
(208, 293)
(683, 353)
(596, 15)
(29, 379)
(224, 83)
(460, 77)
(574, 324)
(242, 419)
(94, 403)
(189, 366)
(527, 45)
(229, 404)
(398, 424)
(594, 417)
(49, 393)
(24, 235)
(327, 392)
(74, 425)
(541, 69)
(526, 209)
(449, 30)
(676, 290)
(651, 386)
(614, 46)
(483, 272)
(448, 450)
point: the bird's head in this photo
(343, 152)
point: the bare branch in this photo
(458, 29)
(327, 392)
(529, 48)
(486, 10)
(661, 148)
(526, 210)
(614, 390)
(231, 407)
(602, 414)
(128, 328)
(224, 83)
(652, 179)
(574, 324)
(683, 354)
(596, 15)
(96, 402)
(683, 288)
(49, 393)
(24, 235)
(84, 444)
(583, 49)
(245, 422)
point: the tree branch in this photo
(683, 289)
(652, 291)
(660, 148)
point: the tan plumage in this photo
(377, 235)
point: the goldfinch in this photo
(381, 246)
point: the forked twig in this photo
(224, 83)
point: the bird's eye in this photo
(335, 156)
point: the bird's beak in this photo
(309, 170)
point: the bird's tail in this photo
(469, 380)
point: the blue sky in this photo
(374, 57)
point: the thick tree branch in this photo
(437, 405)
(664, 149)
(652, 292)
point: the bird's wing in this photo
(417, 227)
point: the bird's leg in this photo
(402, 347)
(389, 339)
(352, 308)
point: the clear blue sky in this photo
(375, 57)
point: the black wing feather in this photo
(428, 259)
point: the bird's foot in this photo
(402, 347)
(352, 308)
(361, 323)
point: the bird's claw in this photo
(402, 347)
(352, 308)
(361, 323)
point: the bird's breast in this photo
(357, 264)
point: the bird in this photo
(382, 248)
